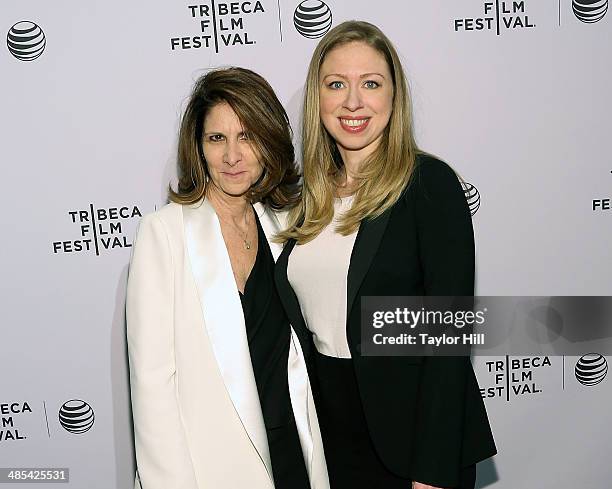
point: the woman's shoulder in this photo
(278, 216)
(433, 183)
(428, 168)
(435, 187)
(432, 176)
(169, 216)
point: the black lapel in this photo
(288, 297)
(366, 245)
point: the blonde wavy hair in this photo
(382, 177)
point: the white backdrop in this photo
(89, 128)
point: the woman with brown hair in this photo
(220, 393)
(378, 218)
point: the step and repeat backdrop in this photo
(515, 95)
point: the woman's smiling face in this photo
(356, 96)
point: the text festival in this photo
(224, 25)
(515, 376)
(511, 15)
(7, 427)
(99, 228)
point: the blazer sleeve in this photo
(162, 455)
(446, 249)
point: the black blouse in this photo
(268, 334)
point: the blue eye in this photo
(335, 85)
(371, 84)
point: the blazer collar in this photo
(288, 297)
(366, 245)
(285, 292)
(223, 317)
(270, 224)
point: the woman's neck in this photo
(228, 207)
(353, 159)
(346, 179)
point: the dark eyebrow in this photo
(219, 133)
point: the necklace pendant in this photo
(247, 245)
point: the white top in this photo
(318, 271)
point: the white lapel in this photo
(270, 224)
(299, 392)
(224, 319)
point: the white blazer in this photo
(197, 417)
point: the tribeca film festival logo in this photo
(76, 416)
(497, 16)
(472, 196)
(312, 18)
(8, 412)
(99, 229)
(590, 11)
(26, 40)
(219, 24)
(514, 377)
(591, 369)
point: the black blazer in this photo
(425, 415)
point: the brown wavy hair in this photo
(382, 177)
(264, 120)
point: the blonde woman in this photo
(220, 394)
(378, 218)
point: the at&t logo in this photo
(76, 416)
(590, 11)
(26, 40)
(591, 369)
(312, 18)
(472, 195)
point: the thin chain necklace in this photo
(245, 240)
(245, 235)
